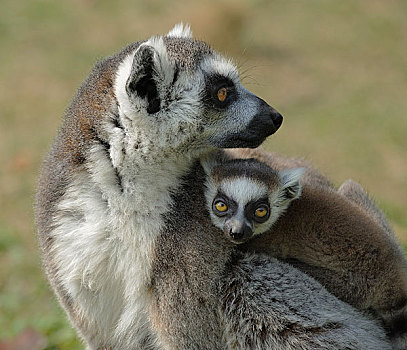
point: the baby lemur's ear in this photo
(291, 182)
(150, 70)
(211, 160)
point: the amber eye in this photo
(221, 206)
(222, 94)
(261, 212)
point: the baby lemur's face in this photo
(246, 197)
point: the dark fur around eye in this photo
(231, 204)
(250, 209)
(213, 84)
(215, 209)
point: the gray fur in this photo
(208, 295)
(134, 128)
(271, 305)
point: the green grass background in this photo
(337, 71)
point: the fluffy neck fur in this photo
(108, 221)
(108, 255)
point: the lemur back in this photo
(355, 193)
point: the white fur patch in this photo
(123, 73)
(217, 64)
(180, 31)
(243, 190)
(103, 242)
(162, 66)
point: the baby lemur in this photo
(339, 238)
(246, 197)
(208, 294)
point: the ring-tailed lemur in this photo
(342, 240)
(134, 128)
(207, 294)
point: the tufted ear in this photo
(291, 183)
(211, 160)
(142, 81)
(180, 31)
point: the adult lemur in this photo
(136, 126)
(110, 182)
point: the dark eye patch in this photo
(231, 204)
(214, 83)
(250, 208)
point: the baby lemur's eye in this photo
(221, 206)
(222, 94)
(261, 213)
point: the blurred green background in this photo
(336, 70)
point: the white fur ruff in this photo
(103, 244)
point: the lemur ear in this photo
(180, 31)
(291, 182)
(142, 79)
(211, 160)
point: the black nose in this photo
(276, 117)
(264, 123)
(267, 118)
(238, 232)
(235, 234)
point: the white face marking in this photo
(217, 64)
(240, 113)
(243, 190)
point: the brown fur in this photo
(207, 295)
(355, 193)
(340, 238)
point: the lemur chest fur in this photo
(105, 237)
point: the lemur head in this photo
(177, 93)
(245, 197)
